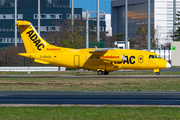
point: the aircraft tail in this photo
(32, 40)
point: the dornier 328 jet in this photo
(102, 60)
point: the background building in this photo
(51, 10)
(161, 17)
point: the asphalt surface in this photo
(93, 98)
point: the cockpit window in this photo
(154, 56)
(157, 56)
(151, 56)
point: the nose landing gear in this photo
(157, 71)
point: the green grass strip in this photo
(88, 113)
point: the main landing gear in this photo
(100, 72)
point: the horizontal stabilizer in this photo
(25, 54)
(40, 61)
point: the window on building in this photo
(68, 16)
(10, 16)
(1, 40)
(57, 28)
(19, 40)
(47, 29)
(102, 28)
(52, 16)
(35, 16)
(43, 28)
(52, 28)
(48, 16)
(36, 28)
(43, 16)
(7, 40)
(77, 16)
(12, 40)
(60, 16)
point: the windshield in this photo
(157, 56)
(151, 56)
(154, 56)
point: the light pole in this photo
(15, 19)
(72, 12)
(39, 17)
(87, 30)
(149, 28)
(174, 16)
(126, 24)
(98, 21)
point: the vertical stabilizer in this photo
(32, 40)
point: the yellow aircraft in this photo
(102, 60)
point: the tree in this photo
(120, 36)
(140, 41)
(70, 36)
(10, 57)
(176, 35)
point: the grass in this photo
(88, 113)
(78, 72)
(90, 84)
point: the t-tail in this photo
(31, 39)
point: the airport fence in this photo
(31, 69)
(165, 53)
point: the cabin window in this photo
(91, 58)
(97, 58)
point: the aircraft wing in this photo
(108, 54)
(100, 50)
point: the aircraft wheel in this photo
(106, 73)
(100, 72)
(157, 73)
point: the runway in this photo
(89, 76)
(90, 98)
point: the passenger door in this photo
(76, 60)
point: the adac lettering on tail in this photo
(35, 39)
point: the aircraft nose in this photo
(168, 65)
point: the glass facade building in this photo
(161, 17)
(51, 11)
(137, 15)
